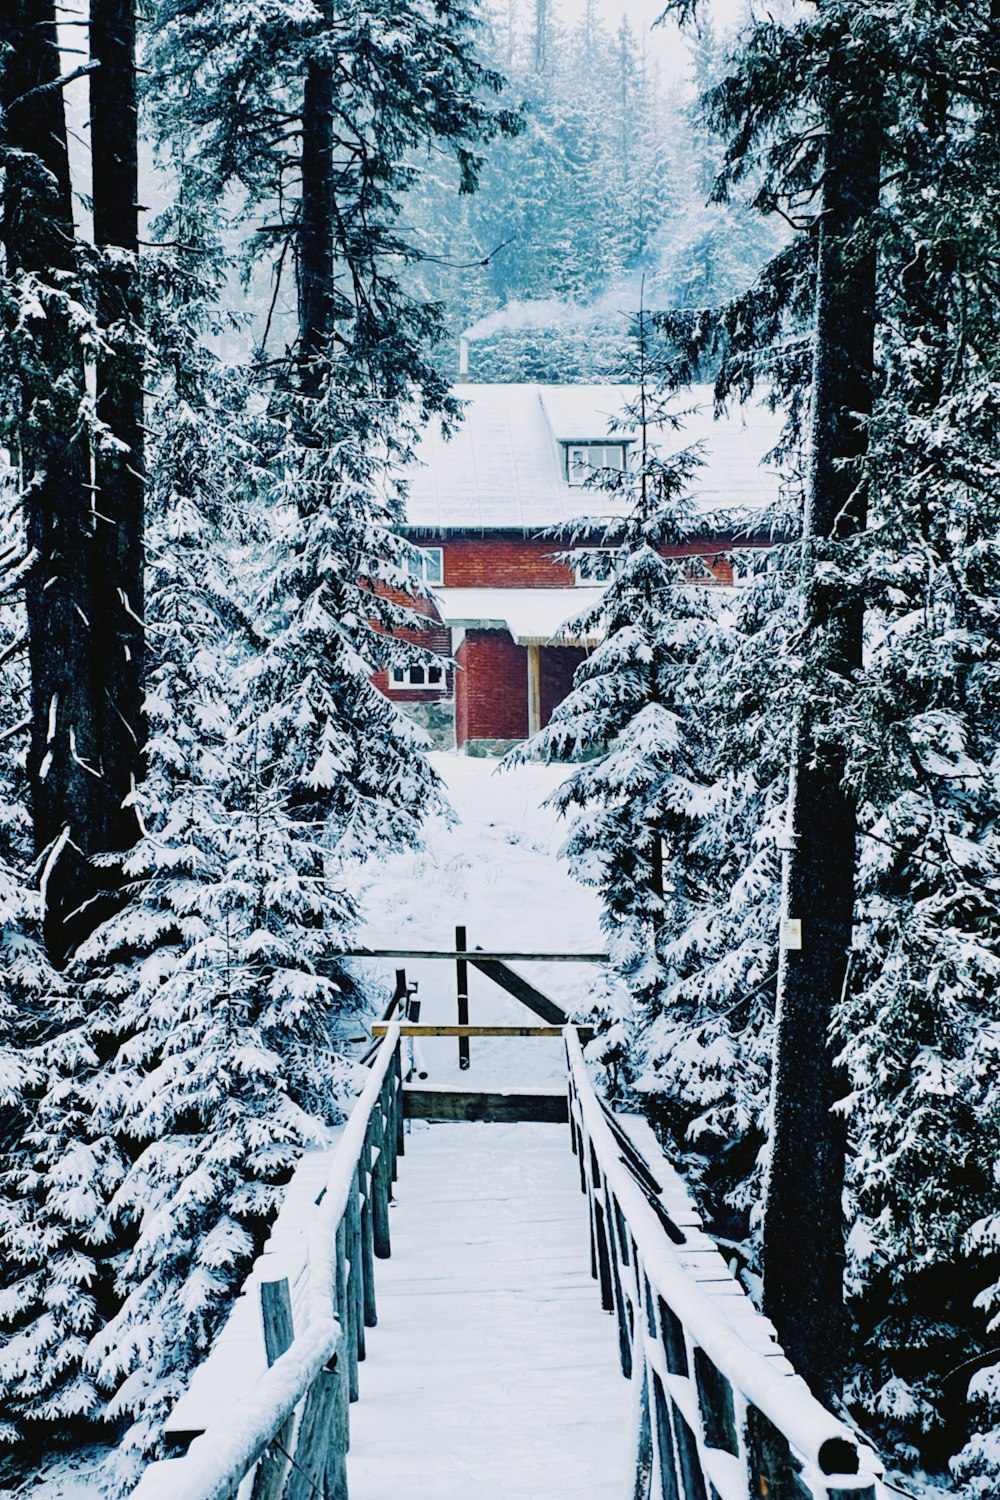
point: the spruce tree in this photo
(704, 1063)
(914, 724)
(635, 798)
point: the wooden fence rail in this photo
(717, 1419)
(291, 1429)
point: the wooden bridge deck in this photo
(492, 1372)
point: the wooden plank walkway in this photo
(492, 1374)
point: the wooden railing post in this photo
(398, 994)
(398, 1091)
(318, 1466)
(380, 1177)
(387, 1106)
(643, 1428)
(462, 975)
(356, 1272)
(346, 1304)
(367, 1235)
(276, 1316)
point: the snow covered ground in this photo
(494, 871)
(492, 1371)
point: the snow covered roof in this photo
(505, 466)
(534, 617)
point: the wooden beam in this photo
(521, 989)
(276, 1312)
(380, 1028)
(496, 1107)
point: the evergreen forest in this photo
(241, 244)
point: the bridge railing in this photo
(717, 1419)
(291, 1428)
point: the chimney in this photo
(463, 359)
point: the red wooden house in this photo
(482, 507)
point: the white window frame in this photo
(401, 677)
(430, 566)
(592, 457)
(593, 581)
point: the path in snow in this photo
(493, 1373)
(494, 871)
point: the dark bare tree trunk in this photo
(38, 240)
(803, 1222)
(118, 636)
(317, 291)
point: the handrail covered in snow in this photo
(291, 1428)
(716, 1414)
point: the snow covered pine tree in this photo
(916, 724)
(637, 801)
(200, 1053)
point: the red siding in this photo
(719, 569)
(491, 688)
(432, 637)
(499, 561)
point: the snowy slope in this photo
(495, 870)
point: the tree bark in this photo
(317, 289)
(118, 635)
(38, 239)
(803, 1247)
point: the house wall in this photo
(556, 665)
(491, 689)
(433, 636)
(503, 560)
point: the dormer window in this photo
(583, 460)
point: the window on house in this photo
(419, 674)
(586, 459)
(428, 564)
(593, 565)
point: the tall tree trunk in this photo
(317, 292)
(38, 239)
(118, 636)
(803, 1246)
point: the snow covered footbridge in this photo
(495, 1370)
